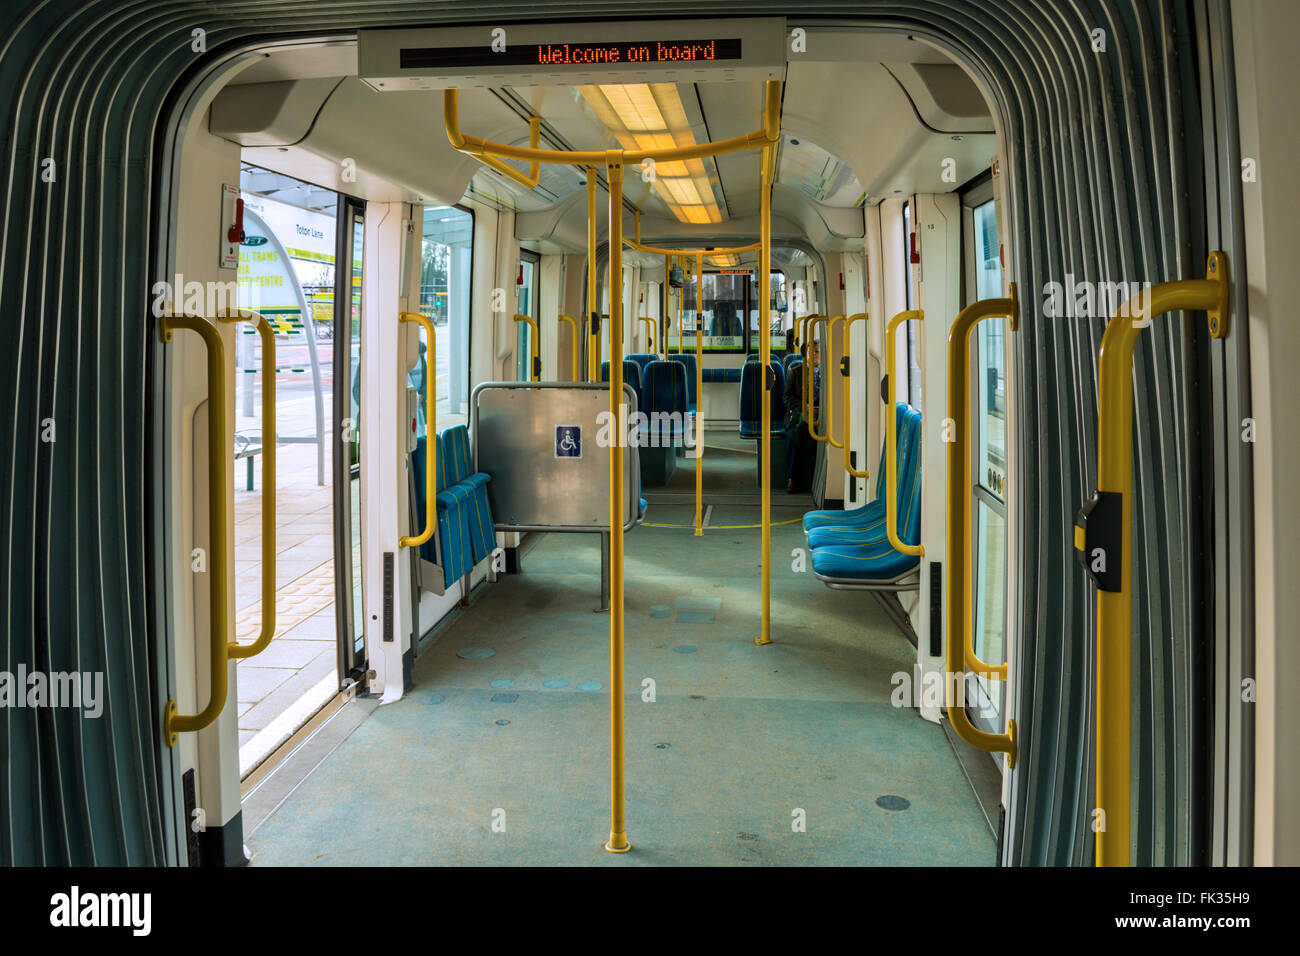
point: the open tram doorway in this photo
(288, 273)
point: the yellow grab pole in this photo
(617, 829)
(430, 430)
(534, 347)
(681, 312)
(765, 360)
(809, 375)
(268, 481)
(699, 399)
(668, 262)
(575, 340)
(1098, 538)
(891, 435)
(958, 536)
(829, 388)
(846, 371)
(220, 493)
(593, 310)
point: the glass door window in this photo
(989, 470)
(528, 269)
(347, 407)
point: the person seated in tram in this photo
(799, 443)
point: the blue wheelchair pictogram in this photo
(568, 441)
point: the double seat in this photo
(466, 531)
(851, 549)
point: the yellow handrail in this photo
(1113, 575)
(451, 119)
(809, 374)
(699, 400)
(575, 343)
(660, 251)
(830, 389)
(534, 347)
(958, 537)
(430, 432)
(844, 379)
(220, 493)
(476, 146)
(593, 334)
(650, 334)
(891, 434)
(267, 335)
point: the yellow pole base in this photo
(618, 843)
(761, 640)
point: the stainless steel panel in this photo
(513, 435)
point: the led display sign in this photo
(572, 54)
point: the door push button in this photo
(1098, 539)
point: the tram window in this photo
(725, 299)
(446, 266)
(778, 318)
(529, 269)
(991, 382)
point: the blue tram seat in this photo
(870, 558)
(478, 515)
(642, 359)
(687, 361)
(664, 391)
(790, 360)
(631, 376)
(751, 412)
(908, 424)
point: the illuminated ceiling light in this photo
(644, 116)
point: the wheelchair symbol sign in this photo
(568, 441)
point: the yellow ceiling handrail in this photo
(1104, 530)
(769, 134)
(959, 652)
(657, 250)
(845, 372)
(430, 432)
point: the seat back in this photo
(751, 390)
(664, 391)
(642, 359)
(790, 360)
(909, 479)
(687, 362)
(455, 444)
(901, 410)
(631, 376)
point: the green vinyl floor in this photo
(786, 754)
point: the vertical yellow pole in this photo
(617, 829)
(668, 262)
(593, 339)
(699, 397)
(681, 309)
(765, 360)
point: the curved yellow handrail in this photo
(660, 251)
(809, 373)
(959, 651)
(430, 431)
(220, 493)
(267, 335)
(1115, 477)
(477, 146)
(844, 394)
(891, 434)
(650, 332)
(534, 347)
(575, 347)
(830, 389)
(451, 119)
